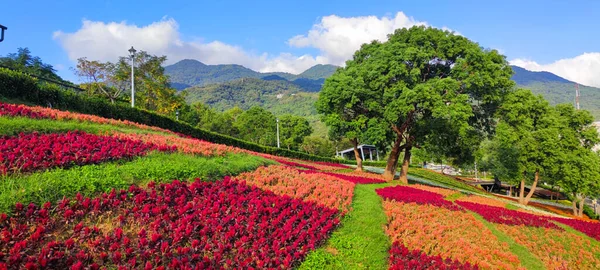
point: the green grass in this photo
(12, 126)
(454, 196)
(360, 242)
(442, 179)
(89, 180)
(511, 206)
(527, 259)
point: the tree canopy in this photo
(422, 86)
(24, 61)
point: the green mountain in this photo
(277, 96)
(558, 90)
(187, 73)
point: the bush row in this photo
(17, 85)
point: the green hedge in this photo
(17, 85)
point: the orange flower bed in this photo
(319, 188)
(185, 145)
(442, 191)
(556, 249)
(66, 115)
(482, 200)
(456, 235)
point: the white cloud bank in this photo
(583, 69)
(336, 38)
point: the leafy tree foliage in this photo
(257, 125)
(113, 80)
(293, 129)
(23, 61)
(317, 145)
(578, 169)
(422, 86)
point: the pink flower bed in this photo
(408, 194)
(31, 152)
(509, 217)
(225, 224)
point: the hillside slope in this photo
(276, 96)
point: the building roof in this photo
(363, 146)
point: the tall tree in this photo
(527, 141)
(257, 125)
(346, 106)
(99, 79)
(425, 85)
(293, 130)
(152, 85)
(578, 170)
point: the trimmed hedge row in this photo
(21, 86)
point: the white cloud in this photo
(336, 38)
(584, 69)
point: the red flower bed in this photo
(509, 217)
(225, 224)
(19, 110)
(349, 178)
(401, 258)
(331, 164)
(294, 164)
(413, 195)
(591, 229)
(30, 152)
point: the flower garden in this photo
(281, 213)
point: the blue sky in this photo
(538, 35)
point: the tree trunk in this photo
(536, 178)
(359, 167)
(392, 162)
(405, 163)
(522, 191)
(581, 204)
(510, 191)
(575, 212)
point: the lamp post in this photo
(277, 132)
(2, 28)
(177, 115)
(132, 53)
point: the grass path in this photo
(360, 242)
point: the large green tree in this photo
(527, 145)
(578, 169)
(424, 86)
(257, 125)
(293, 129)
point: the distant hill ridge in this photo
(187, 73)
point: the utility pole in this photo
(132, 53)
(277, 132)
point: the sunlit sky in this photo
(556, 36)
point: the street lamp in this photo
(277, 132)
(132, 53)
(177, 114)
(2, 28)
